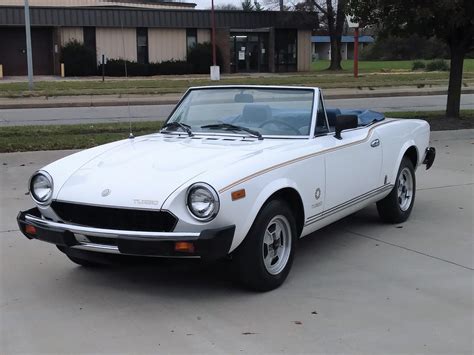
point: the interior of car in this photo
(297, 121)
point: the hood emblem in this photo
(106, 192)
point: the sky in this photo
(206, 4)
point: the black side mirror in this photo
(345, 122)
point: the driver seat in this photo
(256, 114)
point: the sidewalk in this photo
(171, 99)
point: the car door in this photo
(353, 166)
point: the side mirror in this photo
(345, 122)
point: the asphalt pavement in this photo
(74, 115)
(357, 287)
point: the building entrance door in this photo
(13, 51)
(249, 52)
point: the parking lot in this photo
(357, 286)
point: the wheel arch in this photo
(283, 189)
(412, 154)
(410, 150)
(293, 198)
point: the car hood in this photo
(143, 172)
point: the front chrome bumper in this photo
(210, 243)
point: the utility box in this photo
(215, 72)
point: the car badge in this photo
(317, 193)
(106, 192)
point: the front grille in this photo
(115, 218)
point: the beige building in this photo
(321, 46)
(153, 31)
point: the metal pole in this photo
(356, 52)
(103, 67)
(213, 23)
(29, 54)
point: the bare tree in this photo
(333, 12)
(231, 7)
(258, 6)
(247, 5)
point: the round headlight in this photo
(41, 187)
(202, 201)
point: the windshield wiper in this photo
(231, 127)
(186, 128)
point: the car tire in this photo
(396, 207)
(264, 258)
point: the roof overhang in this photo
(164, 18)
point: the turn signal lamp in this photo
(237, 195)
(29, 229)
(185, 247)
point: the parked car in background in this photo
(241, 171)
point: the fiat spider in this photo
(238, 172)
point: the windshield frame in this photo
(314, 109)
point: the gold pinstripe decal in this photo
(304, 157)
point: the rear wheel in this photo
(397, 206)
(264, 258)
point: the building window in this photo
(89, 38)
(285, 50)
(142, 45)
(191, 38)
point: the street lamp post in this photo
(356, 52)
(215, 70)
(29, 54)
(213, 25)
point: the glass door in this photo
(249, 52)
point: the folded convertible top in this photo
(365, 117)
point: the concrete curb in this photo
(151, 101)
(119, 102)
(392, 94)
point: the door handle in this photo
(375, 143)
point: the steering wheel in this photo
(283, 123)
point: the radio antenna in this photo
(130, 132)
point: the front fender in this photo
(401, 153)
(241, 212)
(263, 191)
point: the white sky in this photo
(206, 4)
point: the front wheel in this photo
(264, 258)
(397, 206)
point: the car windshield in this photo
(247, 111)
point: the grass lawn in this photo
(382, 66)
(178, 84)
(55, 137)
(30, 138)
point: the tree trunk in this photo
(455, 80)
(335, 53)
(336, 34)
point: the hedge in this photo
(81, 61)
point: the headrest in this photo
(256, 113)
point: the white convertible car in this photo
(236, 171)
